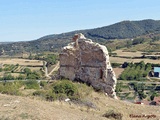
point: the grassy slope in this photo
(13, 107)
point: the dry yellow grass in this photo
(18, 108)
(24, 62)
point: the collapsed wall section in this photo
(89, 62)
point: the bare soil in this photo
(118, 71)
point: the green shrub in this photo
(27, 71)
(119, 87)
(84, 90)
(135, 71)
(10, 88)
(20, 77)
(39, 93)
(8, 77)
(59, 90)
(154, 94)
(141, 95)
(113, 115)
(43, 94)
(114, 65)
(50, 96)
(43, 83)
(33, 76)
(47, 95)
(31, 84)
(61, 96)
(65, 87)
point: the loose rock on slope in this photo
(86, 61)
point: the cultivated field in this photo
(15, 66)
(122, 60)
(128, 54)
(34, 68)
(25, 62)
(121, 54)
(135, 54)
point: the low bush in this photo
(84, 90)
(11, 88)
(39, 93)
(65, 87)
(50, 96)
(60, 90)
(31, 84)
(45, 94)
(114, 65)
(113, 115)
(61, 96)
(43, 84)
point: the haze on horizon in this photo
(32, 19)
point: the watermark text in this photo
(142, 116)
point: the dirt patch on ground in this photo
(118, 71)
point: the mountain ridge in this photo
(147, 25)
(121, 30)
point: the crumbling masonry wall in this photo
(89, 62)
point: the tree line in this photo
(135, 71)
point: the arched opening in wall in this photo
(101, 73)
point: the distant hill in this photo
(121, 30)
(5, 42)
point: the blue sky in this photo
(22, 20)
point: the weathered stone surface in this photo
(89, 62)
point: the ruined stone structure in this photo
(86, 61)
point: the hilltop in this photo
(17, 107)
(121, 30)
